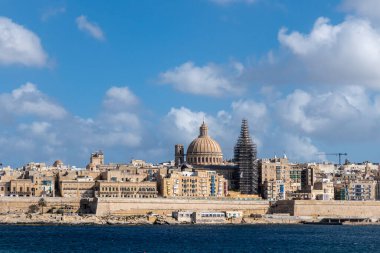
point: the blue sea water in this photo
(190, 238)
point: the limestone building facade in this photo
(193, 184)
(117, 189)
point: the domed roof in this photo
(204, 144)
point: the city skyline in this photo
(135, 78)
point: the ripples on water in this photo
(191, 238)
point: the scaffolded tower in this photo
(246, 159)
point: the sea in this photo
(190, 238)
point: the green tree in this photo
(42, 203)
(33, 209)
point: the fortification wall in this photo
(330, 208)
(22, 204)
(165, 206)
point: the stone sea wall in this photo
(23, 205)
(330, 208)
(165, 206)
(119, 206)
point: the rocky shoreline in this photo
(88, 219)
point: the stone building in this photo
(362, 190)
(308, 177)
(193, 184)
(340, 192)
(179, 154)
(6, 175)
(96, 160)
(273, 190)
(274, 173)
(117, 189)
(227, 170)
(123, 176)
(295, 177)
(22, 188)
(323, 190)
(77, 188)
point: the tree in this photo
(42, 203)
(33, 209)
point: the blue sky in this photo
(135, 77)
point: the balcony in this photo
(20, 193)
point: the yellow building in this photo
(274, 178)
(323, 190)
(274, 169)
(123, 176)
(126, 189)
(193, 184)
(96, 159)
(22, 188)
(274, 190)
(362, 190)
(77, 188)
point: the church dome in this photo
(204, 150)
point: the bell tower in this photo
(179, 154)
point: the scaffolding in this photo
(245, 156)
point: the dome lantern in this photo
(203, 130)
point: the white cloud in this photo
(40, 130)
(89, 27)
(256, 113)
(184, 122)
(300, 148)
(36, 129)
(346, 114)
(20, 46)
(28, 100)
(117, 97)
(118, 123)
(228, 2)
(209, 80)
(119, 138)
(347, 53)
(364, 8)
(292, 109)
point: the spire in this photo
(245, 156)
(244, 138)
(203, 130)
